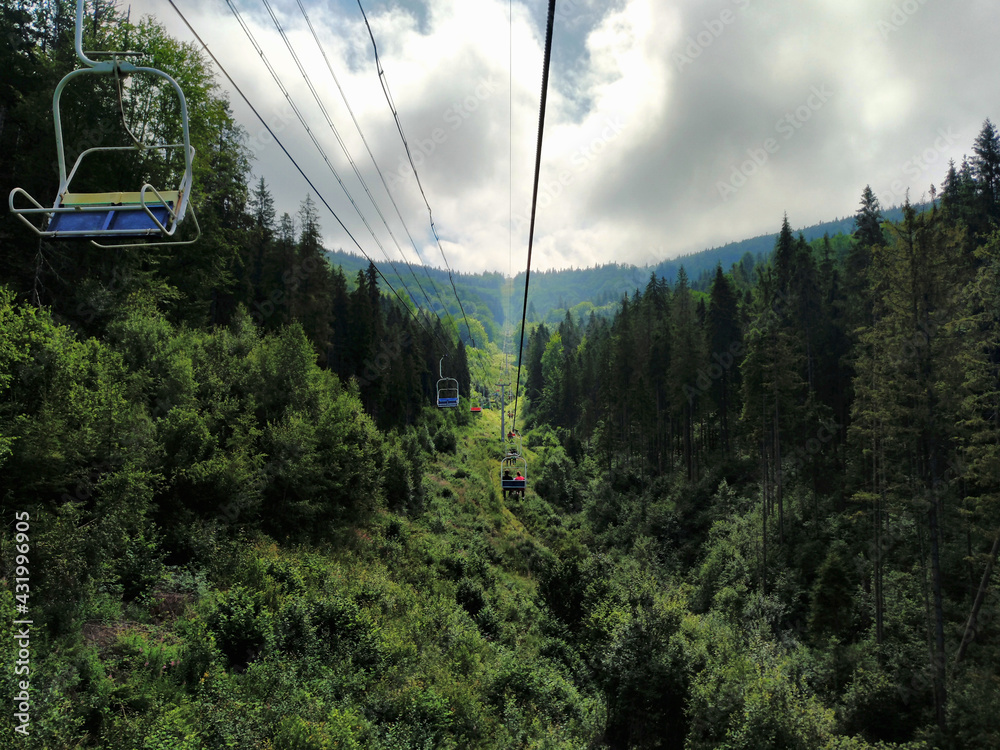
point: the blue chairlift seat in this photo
(447, 393)
(147, 214)
(513, 463)
(124, 214)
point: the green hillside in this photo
(761, 506)
(582, 290)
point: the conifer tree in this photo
(980, 417)
(986, 170)
(260, 236)
(308, 280)
(685, 356)
(725, 344)
(907, 384)
(867, 235)
(833, 372)
(867, 226)
(805, 307)
(961, 202)
(783, 258)
(570, 335)
(534, 382)
(949, 189)
(772, 387)
(656, 310)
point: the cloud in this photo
(652, 106)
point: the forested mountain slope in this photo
(763, 514)
(584, 289)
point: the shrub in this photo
(445, 440)
(338, 731)
(241, 626)
(469, 594)
(396, 472)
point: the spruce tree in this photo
(685, 357)
(308, 280)
(908, 381)
(986, 170)
(725, 344)
(534, 382)
(783, 258)
(980, 420)
(867, 235)
(868, 221)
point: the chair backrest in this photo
(143, 214)
(447, 392)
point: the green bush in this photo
(241, 626)
(469, 594)
(339, 731)
(396, 476)
(445, 440)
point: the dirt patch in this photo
(103, 636)
(168, 605)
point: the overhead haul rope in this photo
(296, 165)
(343, 146)
(534, 195)
(354, 166)
(406, 146)
(364, 140)
(312, 136)
(510, 185)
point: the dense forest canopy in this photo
(763, 505)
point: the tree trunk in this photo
(777, 472)
(688, 462)
(763, 516)
(877, 577)
(938, 663)
(970, 627)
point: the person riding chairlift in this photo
(519, 478)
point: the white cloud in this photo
(637, 140)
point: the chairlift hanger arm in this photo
(110, 68)
(113, 53)
(115, 214)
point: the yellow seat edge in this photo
(116, 199)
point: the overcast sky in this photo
(671, 126)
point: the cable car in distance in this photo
(513, 438)
(447, 389)
(148, 213)
(513, 474)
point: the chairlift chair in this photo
(513, 438)
(447, 389)
(513, 464)
(148, 213)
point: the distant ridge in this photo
(759, 247)
(563, 289)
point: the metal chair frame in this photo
(447, 394)
(516, 462)
(116, 214)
